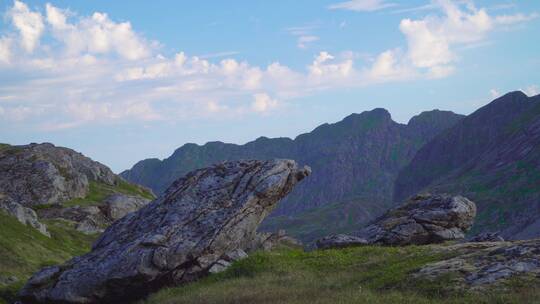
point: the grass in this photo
(23, 250)
(99, 191)
(354, 275)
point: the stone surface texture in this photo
(199, 221)
(40, 174)
(424, 219)
(480, 264)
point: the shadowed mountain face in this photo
(493, 157)
(356, 159)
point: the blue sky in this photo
(122, 81)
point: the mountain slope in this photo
(491, 156)
(356, 159)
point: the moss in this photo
(24, 250)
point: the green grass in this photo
(23, 250)
(354, 275)
(99, 191)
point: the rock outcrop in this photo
(424, 219)
(487, 237)
(339, 241)
(267, 241)
(23, 214)
(41, 174)
(200, 220)
(118, 205)
(480, 264)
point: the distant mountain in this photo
(493, 157)
(354, 161)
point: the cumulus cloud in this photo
(92, 69)
(5, 50)
(263, 103)
(362, 5)
(29, 24)
(532, 90)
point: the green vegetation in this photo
(99, 191)
(24, 250)
(355, 275)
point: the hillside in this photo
(356, 159)
(53, 203)
(493, 157)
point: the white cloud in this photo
(5, 50)
(325, 65)
(29, 25)
(494, 93)
(96, 35)
(362, 5)
(94, 70)
(303, 41)
(263, 103)
(304, 35)
(517, 18)
(532, 90)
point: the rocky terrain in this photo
(424, 219)
(199, 225)
(49, 182)
(492, 157)
(356, 161)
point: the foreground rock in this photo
(200, 220)
(479, 264)
(24, 215)
(424, 219)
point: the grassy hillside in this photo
(354, 275)
(23, 250)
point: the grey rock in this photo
(480, 264)
(87, 219)
(118, 205)
(38, 174)
(424, 219)
(487, 237)
(267, 241)
(198, 220)
(339, 241)
(23, 214)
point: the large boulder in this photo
(39, 174)
(199, 221)
(424, 219)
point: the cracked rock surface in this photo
(478, 264)
(424, 219)
(201, 220)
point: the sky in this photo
(121, 81)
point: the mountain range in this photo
(493, 157)
(367, 163)
(355, 163)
